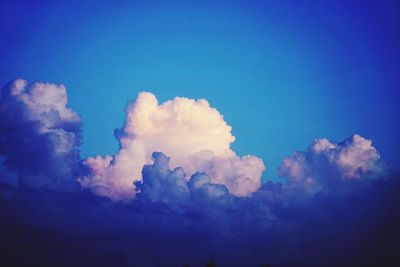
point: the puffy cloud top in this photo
(191, 130)
(326, 162)
(45, 103)
(189, 126)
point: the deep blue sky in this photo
(281, 72)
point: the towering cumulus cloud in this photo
(39, 135)
(192, 131)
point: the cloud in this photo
(192, 131)
(242, 175)
(326, 163)
(39, 135)
(161, 184)
(174, 220)
(172, 187)
(337, 207)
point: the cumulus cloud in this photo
(175, 219)
(324, 163)
(39, 134)
(240, 174)
(173, 188)
(337, 207)
(162, 184)
(191, 130)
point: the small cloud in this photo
(326, 163)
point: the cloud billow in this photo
(193, 132)
(325, 164)
(173, 188)
(39, 135)
(185, 195)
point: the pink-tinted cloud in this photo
(191, 130)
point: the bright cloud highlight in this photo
(191, 130)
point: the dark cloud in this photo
(39, 134)
(172, 188)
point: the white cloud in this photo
(182, 128)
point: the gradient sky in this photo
(281, 72)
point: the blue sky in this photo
(281, 72)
